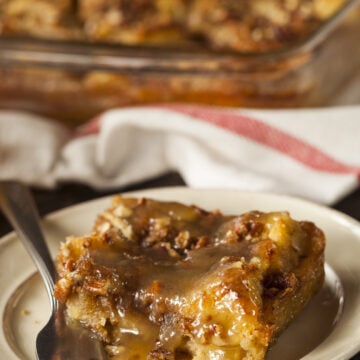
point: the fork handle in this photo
(19, 208)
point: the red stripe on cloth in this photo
(267, 135)
(90, 128)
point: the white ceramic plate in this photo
(328, 329)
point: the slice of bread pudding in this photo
(162, 280)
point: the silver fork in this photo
(57, 340)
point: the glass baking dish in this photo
(74, 81)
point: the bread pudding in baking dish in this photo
(163, 280)
(163, 51)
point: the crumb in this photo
(25, 312)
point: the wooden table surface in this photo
(70, 194)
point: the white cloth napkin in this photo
(311, 153)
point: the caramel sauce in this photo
(156, 284)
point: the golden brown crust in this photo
(39, 18)
(245, 26)
(258, 25)
(164, 280)
(133, 21)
